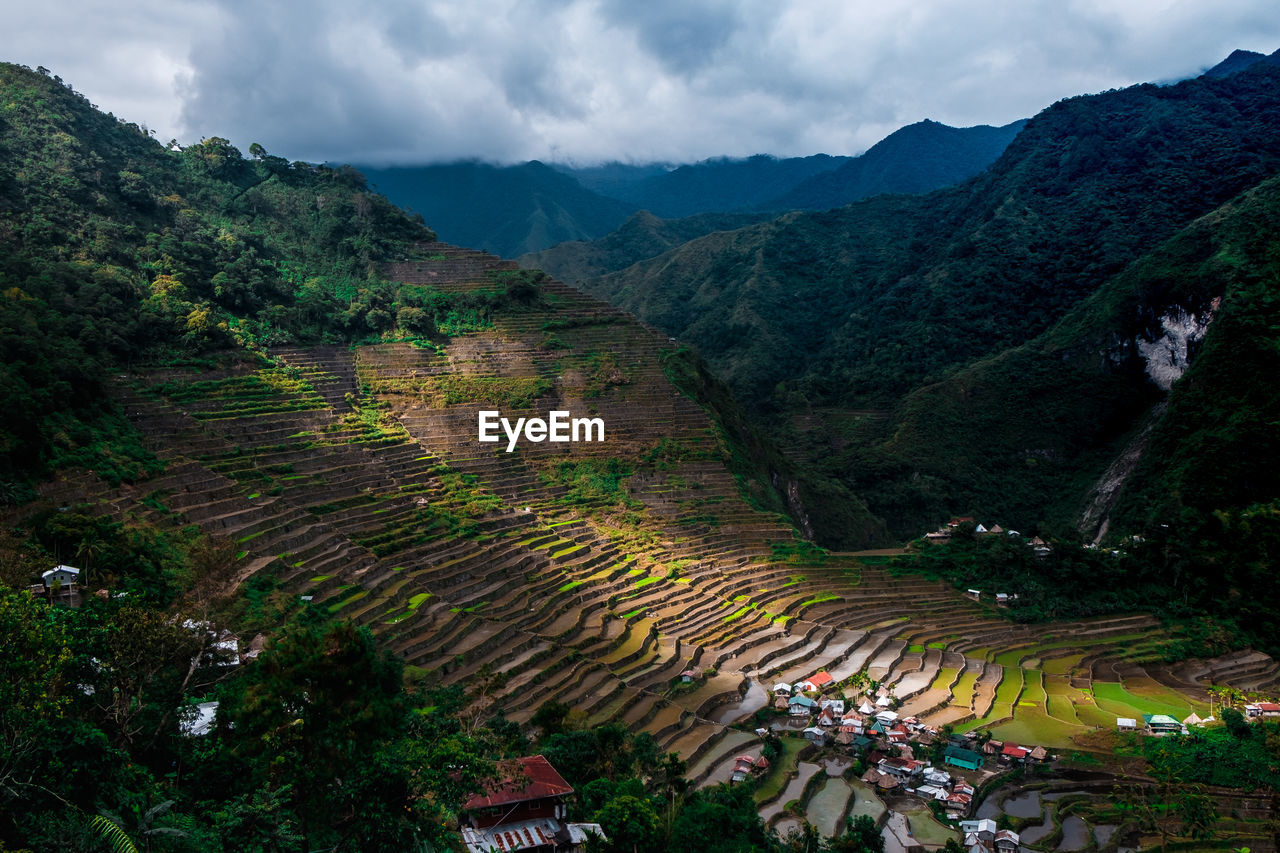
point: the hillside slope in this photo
(1028, 433)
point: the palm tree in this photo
(89, 550)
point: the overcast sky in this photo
(412, 81)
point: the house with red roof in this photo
(817, 681)
(525, 810)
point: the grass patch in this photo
(504, 392)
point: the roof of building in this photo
(959, 753)
(539, 832)
(1160, 720)
(201, 723)
(820, 678)
(802, 700)
(528, 778)
(56, 569)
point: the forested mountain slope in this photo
(642, 236)
(826, 321)
(1028, 433)
(722, 184)
(507, 210)
(918, 158)
(115, 250)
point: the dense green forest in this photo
(118, 250)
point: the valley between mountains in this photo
(592, 574)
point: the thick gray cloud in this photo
(585, 80)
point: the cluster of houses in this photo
(897, 774)
(944, 534)
(1262, 711)
(746, 767)
(874, 729)
(885, 739)
(982, 836)
(1158, 725)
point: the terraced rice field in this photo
(593, 573)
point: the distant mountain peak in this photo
(1239, 60)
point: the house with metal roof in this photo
(963, 758)
(525, 811)
(63, 576)
(1160, 725)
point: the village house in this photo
(958, 804)
(61, 584)
(963, 758)
(982, 836)
(904, 769)
(525, 811)
(743, 767)
(1160, 725)
(936, 776)
(801, 706)
(1126, 724)
(816, 736)
(1011, 753)
(1007, 841)
(1266, 710)
(815, 682)
(882, 781)
(60, 576)
(782, 688)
